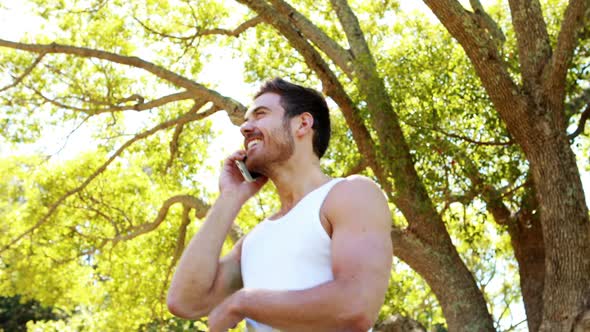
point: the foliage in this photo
(93, 260)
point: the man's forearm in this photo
(198, 265)
(333, 306)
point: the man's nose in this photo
(246, 128)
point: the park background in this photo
(110, 161)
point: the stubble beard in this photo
(281, 147)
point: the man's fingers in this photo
(238, 155)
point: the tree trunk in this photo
(527, 240)
(566, 228)
(462, 302)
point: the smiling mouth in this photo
(253, 143)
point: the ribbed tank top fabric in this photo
(290, 253)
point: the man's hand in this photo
(232, 182)
(226, 315)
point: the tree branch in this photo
(234, 109)
(463, 198)
(577, 102)
(354, 34)
(189, 38)
(534, 49)
(187, 201)
(235, 32)
(181, 238)
(94, 249)
(174, 145)
(192, 115)
(319, 38)
(25, 74)
(179, 248)
(160, 72)
(514, 326)
(88, 206)
(105, 205)
(491, 196)
(355, 169)
(250, 23)
(410, 248)
(176, 137)
(481, 49)
(581, 123)
(461, 137)
(555, 73)
(140, 106)
(97, 212)
(67, 138)
(91, 10)
(488, 22)
(467, 139)
(410, 195)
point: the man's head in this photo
(295, 100)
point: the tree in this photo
(14, 314)
(404, 119)
(535, 116)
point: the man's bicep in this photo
(361, 243)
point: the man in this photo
(321, 263)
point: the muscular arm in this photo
(361, 263)
(202, 280)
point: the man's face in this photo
(267, 135)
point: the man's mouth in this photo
(252, 143)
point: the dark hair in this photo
(297, 99)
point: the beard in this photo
(279, 147)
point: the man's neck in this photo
(293, 182)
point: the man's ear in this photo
(304, 124)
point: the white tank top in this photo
(289, 253)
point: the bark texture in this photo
(529, 250)
(566, 230)
(534, 115)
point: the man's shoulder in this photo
(354, 192)
(356, 184)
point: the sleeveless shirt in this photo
(290, 253)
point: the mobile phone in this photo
(249, 177)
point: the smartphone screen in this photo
(249, 177)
